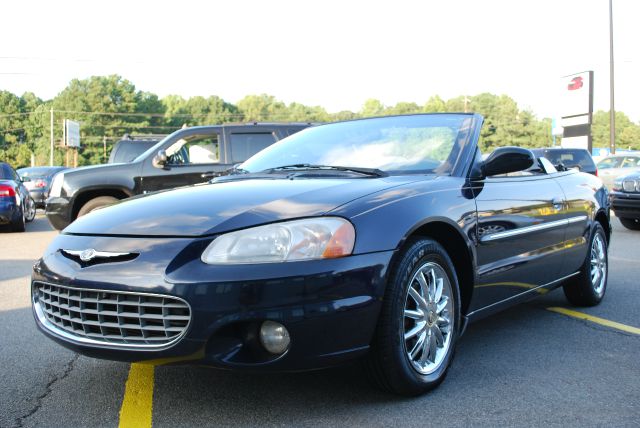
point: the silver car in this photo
(614, 166)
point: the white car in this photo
(614, 166)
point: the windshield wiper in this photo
(374, 172)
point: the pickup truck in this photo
(187, 156)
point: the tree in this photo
(256, 108)
(435, 104)
(372, 107)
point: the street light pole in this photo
(51, 153)
(612, 110)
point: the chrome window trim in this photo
(49, 326)
(530, 229)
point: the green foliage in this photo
(627, 132)
(108, 107)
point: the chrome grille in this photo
(110, 317)
(631, 185)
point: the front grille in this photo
(631, 185)
(110, 317)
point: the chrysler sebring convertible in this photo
(377, 239)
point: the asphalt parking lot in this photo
(528, 366)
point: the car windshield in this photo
(569, 158)
(413, 144)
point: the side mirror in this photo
(160, 159)
(504, 160)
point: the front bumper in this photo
(625, 205)
(58, 211)
(8, 211)
(330, 307)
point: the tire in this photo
(18, 224)
(400, 365)
(96, 203)
(589, 286)
(30, 214)
(630, 223)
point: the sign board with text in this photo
(71, 133)
(576, 110)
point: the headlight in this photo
(617, 184)
(56, 184)
(308, 239)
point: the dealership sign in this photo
(71, 133)
(576, 104)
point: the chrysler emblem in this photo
(87, 254)
(90, 254)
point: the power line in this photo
(20, 114)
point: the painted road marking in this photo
(597, 320)
(137, 404)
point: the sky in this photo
(335, 54)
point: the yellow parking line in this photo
(597, 320)
(137, 404)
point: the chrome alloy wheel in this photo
(598, 265)
(31, 211)
(428, 315)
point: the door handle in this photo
(557, 203)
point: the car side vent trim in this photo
(530, 229)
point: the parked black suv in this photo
(188, 156)
(565, 158)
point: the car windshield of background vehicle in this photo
(416, 144)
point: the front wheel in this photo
(588, 287)
(419, 323)
(96, 203)
(630, 223)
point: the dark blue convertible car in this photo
(377, 238)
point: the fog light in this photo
(274, 337)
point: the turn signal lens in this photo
(341, 243)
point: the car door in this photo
(195, 158)
(520, 224)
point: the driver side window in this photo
(196, 149)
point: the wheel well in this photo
(85, 197)
(455, 245)
(601, 217)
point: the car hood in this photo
(219, 207)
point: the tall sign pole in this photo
(51, 153)
(612, 111)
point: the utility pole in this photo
(51, 153)
(612, 110)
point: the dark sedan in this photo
(39, 183)
(16, 205)
(625, 200)
(377, 238)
